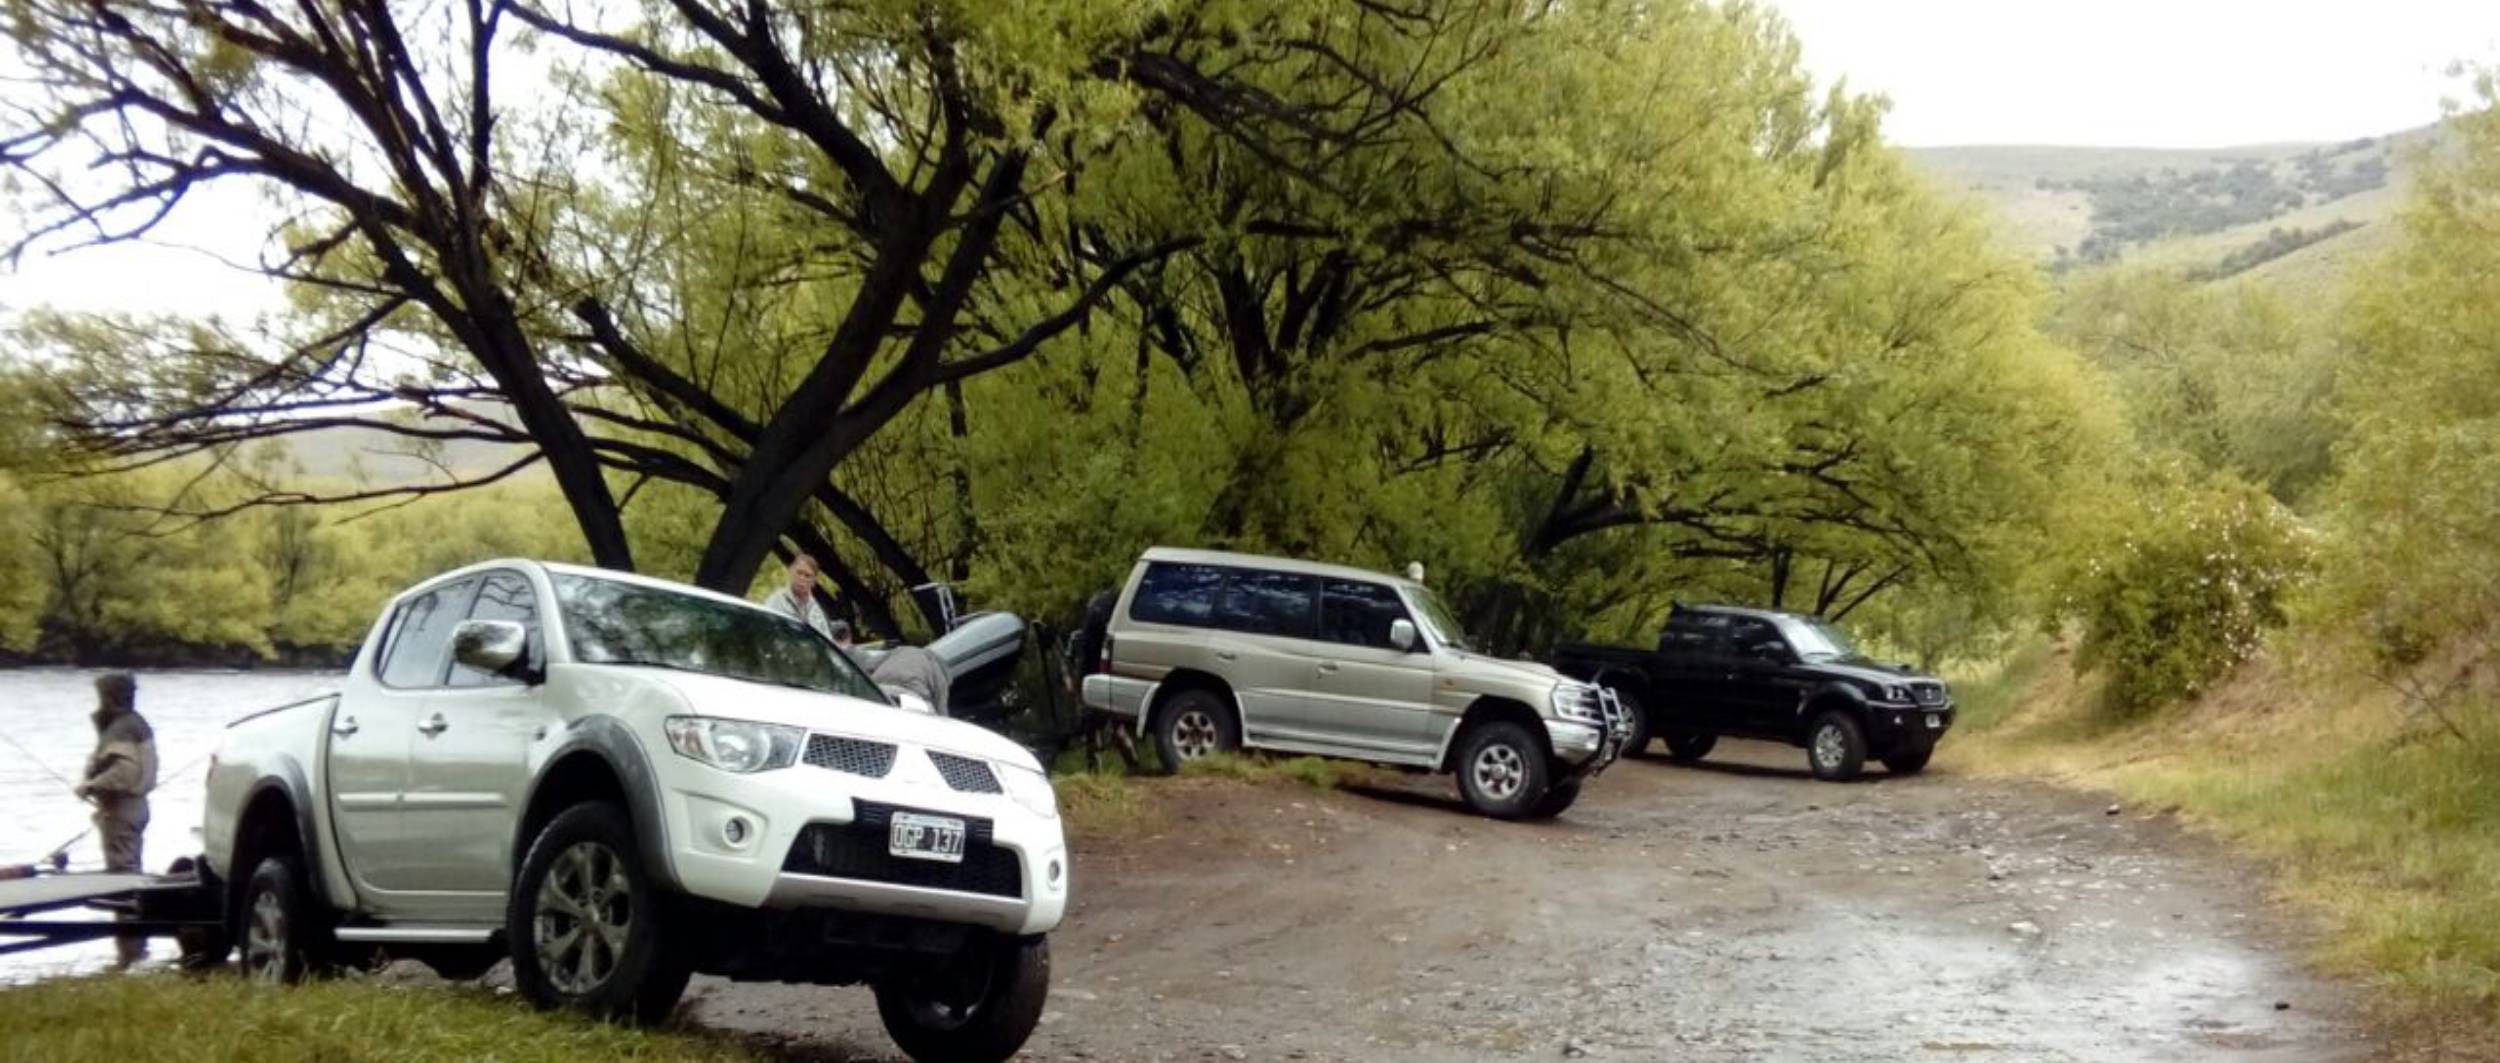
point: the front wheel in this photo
(1557, 800)
(980, 1009)
(585, 921)
(1909, 763)
(1836, 747)
(1502, 771)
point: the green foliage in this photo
(2415, 505)
(2183, 589)
(2237, 381)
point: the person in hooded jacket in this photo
(120, 775)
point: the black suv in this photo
(1754, 673)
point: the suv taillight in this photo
(1103, 666)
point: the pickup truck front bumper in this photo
(1891, 728)
(811, 836)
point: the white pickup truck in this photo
(618, 782)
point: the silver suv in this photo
(1214, 652)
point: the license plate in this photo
(918, 837)
(1935, 722)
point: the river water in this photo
(44, 710)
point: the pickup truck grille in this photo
(857, 850)
(851, 755)
(1928, 693)
(965, 774)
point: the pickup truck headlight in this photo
(734, 745)
(1030, 789)
(1896, 693)
(1572, 702)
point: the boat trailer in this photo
(180, 904)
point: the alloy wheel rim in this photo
(1828, 746)
(1500, 772)
(264, 939)
(1193, 735)
(585, 913)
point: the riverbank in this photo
(2389, 837)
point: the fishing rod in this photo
(38, 762)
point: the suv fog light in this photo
(735, 831)
(1054, 872)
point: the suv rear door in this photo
(1247, 627)
(1368, 693)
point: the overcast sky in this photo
(2147, 73)
(2155, 73)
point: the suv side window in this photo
(421, 635)
(1269, 603)
(1177, 594)
(504, 596)
(1357, 613)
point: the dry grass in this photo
(2389, 835)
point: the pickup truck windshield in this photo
(611, 622)
(1444, 626)
(1816, 640)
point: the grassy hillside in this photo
(2388, 835)
(2291, 216)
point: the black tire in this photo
(284, 935)
(979, 1010)
(1557, 800)
(1836, 747)
(1194, 723)
(1690, 747)
(1909, 762)
(612, 956)
(1637, 743)
(1502, 770)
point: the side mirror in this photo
(495, 647)
(906, 699)
(1402, 634)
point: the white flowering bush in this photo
(2184, 590)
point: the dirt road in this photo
(1734, 911)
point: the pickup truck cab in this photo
(617, 782)
(1755, 673)
(1213, 652)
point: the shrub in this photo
(2183, 592)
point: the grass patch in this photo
(2391, 837)
(201, 1020)
(1319, 773)
(1105, 804)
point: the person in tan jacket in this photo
(120, 775)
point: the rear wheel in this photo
(979, 1009)
(586, 923)
(1836, 747)
(1691, 747)
(1195, 724)
(283, 938)
(1909, 762)
(1502, 770)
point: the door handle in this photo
(1328, 666)
(343, 726)
(1225, 655)
(433, 725)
